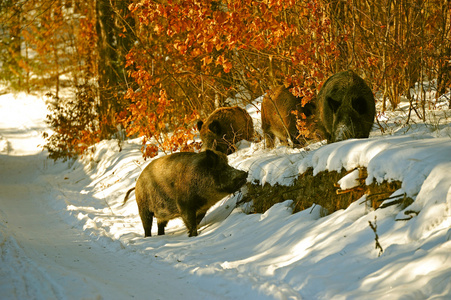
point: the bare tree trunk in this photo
(337, 9)
(443, 61)
(107, 79)
(115, 37)
(15, 38)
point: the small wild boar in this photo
(224, 128)
(278, 119)
(345, 107)
(185, 185)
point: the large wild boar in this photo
(224, 128)
(278, 119)
(185, 185)
(345, 107)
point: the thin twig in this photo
(374, 228)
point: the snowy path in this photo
(42, 256)
(61, 261)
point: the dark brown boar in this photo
(185, 185)
(278, 119)
(345, 107)
(224, 128)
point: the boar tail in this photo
(126, 195)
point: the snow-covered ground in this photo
(64, 233)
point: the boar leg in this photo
(147, 219)
(189, 218)
(161, 226)
(269, 139)
(200, 216)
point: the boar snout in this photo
(240, 178)
(236, 179)
(343, 132)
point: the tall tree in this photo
(114, 39)
(10, 42)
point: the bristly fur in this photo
(345, 107)
(224, 128)
(185, 185)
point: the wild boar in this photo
(185, 185)
(278, 119)
(345, 107)
(224, 128)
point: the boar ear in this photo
(212, 157)
(199, 125)
(215, 127)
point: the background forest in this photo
(152, 68)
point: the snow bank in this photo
(285, 255)
(279, 254)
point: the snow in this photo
(350, 180)
(64, 233)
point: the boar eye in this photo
(334, 105)
(215, 127)
(359, 105)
